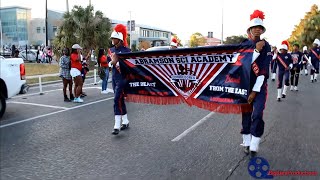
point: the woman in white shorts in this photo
(75, 71)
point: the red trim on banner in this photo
(221, 108)
(159, 100)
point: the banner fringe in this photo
(211, 106)
(159, 100)
(222, 108)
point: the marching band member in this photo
(314, 57)
(119, 40)
(273, 65)
(284, 61)
(297, 63)
(252, 123)
(174, 43)
(305, 60)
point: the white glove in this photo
(110, 64)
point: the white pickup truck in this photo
(12, 80)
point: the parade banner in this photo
(215, 78)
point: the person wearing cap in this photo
(252, 122)
(174, 43)
(285, 63)
(65, 65)
(305, 62)
(314, 56)
(75, 71)
(297, 58)
(273, 65)
(120, 45)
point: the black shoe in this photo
(279, 99)
(66, 99)
(115, 132)
(124, 126)
(71, 97)
(315, 80)
(246, 150)
(253, 153)
(306, 74)
(273, 79)
(311, 81)
(82, 95)
(283, 96)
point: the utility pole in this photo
(90, 2)
(1, 37)
(67, 2)
(46, 23)
(222, 24)
(130, 26)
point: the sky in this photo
(185, 17)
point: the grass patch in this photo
(38, 69)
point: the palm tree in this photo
(83, 26)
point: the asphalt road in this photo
(43, 137)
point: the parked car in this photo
(35, 52)
(30, 56)
(157, 48)
(12, 80)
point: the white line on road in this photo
(49, 114)
(193, 127)
(32, 94)
(35, 104)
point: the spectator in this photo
(103, 70)
(49, 54)
(65, 66)
(75, 71)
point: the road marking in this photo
(35, 104)
(52, 113)
(193, 127)
(32, 94)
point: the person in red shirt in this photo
(75, 71)
(104, 64)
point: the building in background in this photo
(212, 41)
(37, 29)
(142, 35)
(19, 29)
(15, 22)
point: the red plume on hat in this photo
(257, 14)
(174, 42)
(286, 43)
(256, 19)
(123, 29)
